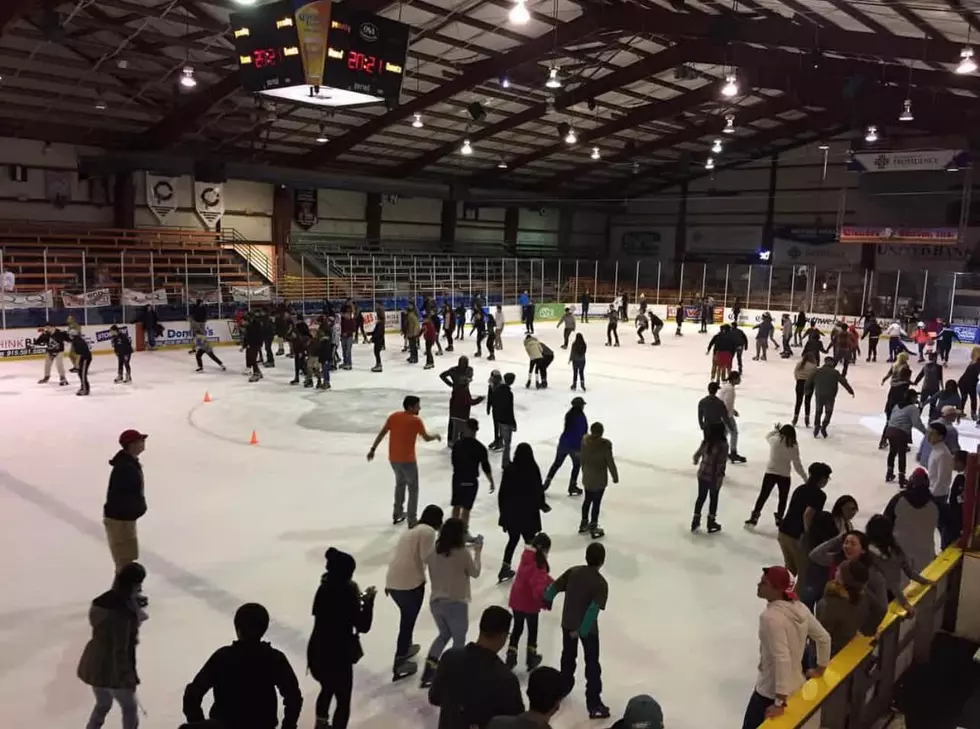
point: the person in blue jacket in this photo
(570, 444)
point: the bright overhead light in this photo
(872, 135)
(730, 88)
(502, 165)
(570, 138)
(466, 148)
(187, 79)
(553, 82)
(967, 64)
(417, 121)
(504, 82)
(321, 137)
(729, 124)
(595, 153)
(716, 147)
(823, 147)
(906, 114)
(519, 14)
(709, 164)
(101, 105)
(245, 2)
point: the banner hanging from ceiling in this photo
(924, 160)
(305, 208)
(883, 234)
(209, 202)
(161, 195)
(312, 26)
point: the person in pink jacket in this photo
(527, 599)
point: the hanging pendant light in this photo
(966, 64)
(187, 79)
(709, 164)
(321, 137)
(417, 121)
(729, 124)
(872, 135)
(466, 148)
(570, 138)
(906, 115)
(519, 14)
(730, 88)
(716, 147)
(554, 81)
(595, 153)
(502, 165)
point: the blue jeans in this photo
(345, 344)
(325, 369)
(506, 435)
(409, 604)
(103, 703)
(452, 620)
(578, 372)
(560, 456)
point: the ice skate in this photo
(696, 523)
(527, 385)
(308, 382)
(254, 378)
(428, 366)
(398, 519)
(599, 711)
(736, 458)
(889, 476)
(294, 381)
(376, 368)
(713, 526)
(74, 370)
(511, 660)
(117, 380)
(596, 531)
(81, 393)
(583, 527)
(823, 430)
(199, 369)
(429, 673)
(63, 382)
(505, 574)
(43, 380)
(533, 657)
(574, 387)
(403, 670)
(574, 490)
(752, 520)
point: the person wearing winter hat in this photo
(642, 712)
(125, 502)
(244, 678)
(784, 627)
(108, 662)
(915, 516)
(545, 692)
(341, 612)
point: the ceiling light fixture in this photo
(245, 2)
(519, 14)
(966, 64)
(101, 105)
(872, 135)
(709, 164)
(823, 147)
(417, 121)
(729, 124)
(730, 88)
(321, 137)
(504, 82)
(570, 138)
(187, 79)
(595, 153)
(554, 81)
(906, 115)
(716, 147)
(466, 148)
(502, 165)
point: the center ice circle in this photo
(358, 411)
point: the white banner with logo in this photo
(38, 300)
(923, 160)
(805, 246)
(161, 195)
(97, 297)
(138, 298)
(209, 202)
(208, 296)
(242, 294)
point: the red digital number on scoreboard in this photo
(265, 57)
(370, 65)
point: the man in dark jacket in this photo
(584, 302)
(123, 349)
(53, 340)
(823, 384)
(711, 409)
(125, 502)
(503, 416)
(472, 684)
(545, 691)
(83, 353)
(244, 678)
(254, 339)
(150, 321)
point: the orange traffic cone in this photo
(254, 439)
(207, 397)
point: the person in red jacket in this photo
(429, 334)
(460, 403)
(527, 599)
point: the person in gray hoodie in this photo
(598, 465)
(915, 514)
(568, 320)
(545, 691)
(823, 384)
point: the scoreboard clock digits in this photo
(265, 57)
(370, 65)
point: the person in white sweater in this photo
(784, 627)
(727, 396)
(405, 585)
(451, 567)
(784, 456)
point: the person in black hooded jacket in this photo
(125, 502)
(244, 678)
(340, 613)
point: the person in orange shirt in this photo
(922, 338)
(404, 428)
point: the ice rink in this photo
(230, 523)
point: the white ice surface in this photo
(230, 523)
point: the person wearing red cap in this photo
(125, 502)
(784, 627)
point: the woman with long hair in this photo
(814, 577)
(844, 511)
(805, 367)
(711, 458)
(898, 434)
(784, 456)
(900, 376)
(850, 546)
(521, 501)
(577, 357)
(340, 614)
(890, 560)
(451, 567)
(527, 598)
(968, 383)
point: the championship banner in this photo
(161, 195)
(138, 298)
(312, 26)
(924, 160)
(875, 234)
(38, 300)
(209, 202)
(243, 294)
(305, 208)
(90, 299)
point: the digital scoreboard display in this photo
(320, 53)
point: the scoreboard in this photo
(320, 52)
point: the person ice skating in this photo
(493, 340)
(916, 519)
(899, 377)
(872, 330)
(108, 661)
(812, 343)
(503, 416)
(931, 375)
(598, 466)
(922, 339)
(527, 598)
(642, 304)
(736, 313)
(480, 327)
(448, 325)
(895, 335)
(710, 458)
(469, 457)
(765, 333)
(585, 301)
(495, 381)
(281, 324)
(679, 318)
(898, 434)
(203, 347)
(786, 328)
(727, 395)
(430, 336)
(540, 357)
(567, 320)
(125, 501)
(570, 444)
(805, 502)
(246, 678)
(404, 428)
(413, 330)
(741, 345)
(359, 320)
(498, 317)
(824, 383)
(300, 346)
(724, 345)
(968, 383)
(705, 315)
(472, 684)
(520, 501)
(944, 341)
(784, 627)
(253, 338)
(72, 327)
(53, 340)
(123, 349)
(457, 373)
(460, 321)
(641, 325)
(378, 338)
(348, 332)
(150, 321)
(949, 396)
(711, 409)
(938, 447)
(461, 403)
(83, 354)
(268, 335)
(656, 326)
(320, 360)
(784, 457)
(451, 567)
(798, 328)
(625, 303)
(612, 326)
(577, 358)
(341, 613)
(586, 593)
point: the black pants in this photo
(460, 328)
(898, 441)
(585, 315)
(802, 398)
(738, 357)
(360, 330)
(824, 410)
(491, 343)
(122, 363)
(639, 333)
(252, 353)
(969, 393)
(707, 491)
(611, 332)
(480, 336)
(704, 326)
(199, 354)
(770, 480)
(591, 505)
(520, 619)
(448, 333)
(413, 349)
(336, 684)
(268, 350)
(578, 372)
(896, 394)
(299, 363)
(843, 355)
(83, 365)
(797, 336)
(755, 712)
(593, 671)
(378, 347)
(513, 537)
(655, 331)
(567, 333)
(943, 351)
(428, 353)
(872, 349)
(409, 604)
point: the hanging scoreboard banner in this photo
(305, 208)
(320, 53)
